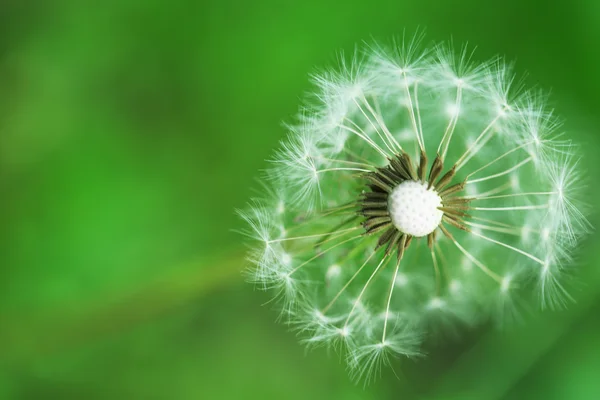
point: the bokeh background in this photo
(131, 130)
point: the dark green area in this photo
(130, 131)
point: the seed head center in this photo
(414, 208)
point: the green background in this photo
(129, 133)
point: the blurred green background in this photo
(131, 130)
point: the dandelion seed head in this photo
(419, 191)
(414, 209)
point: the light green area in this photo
(129, 133)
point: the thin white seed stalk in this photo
(509, 231)
(451, 125)
(436, 270)
(332, 160)
(475, 151)
(366, 139)
(498, 159)
(496, 190)
(502, 196)
(514, 208)
(392, 151)
(395, 146)
(337, 296)
(517, 250)
(419, 113)
(461, 161)
(412, 113)
(478, 263)
(320, 171)
(391, 291)
(364, 289)
(381, 122)
(491, 221)
(315, 235)
(499, 174)
(320, 253)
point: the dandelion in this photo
(418, 192)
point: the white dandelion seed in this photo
(420, 191)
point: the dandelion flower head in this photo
(416, 192)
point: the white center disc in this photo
(414, 209)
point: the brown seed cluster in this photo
(374, 203)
